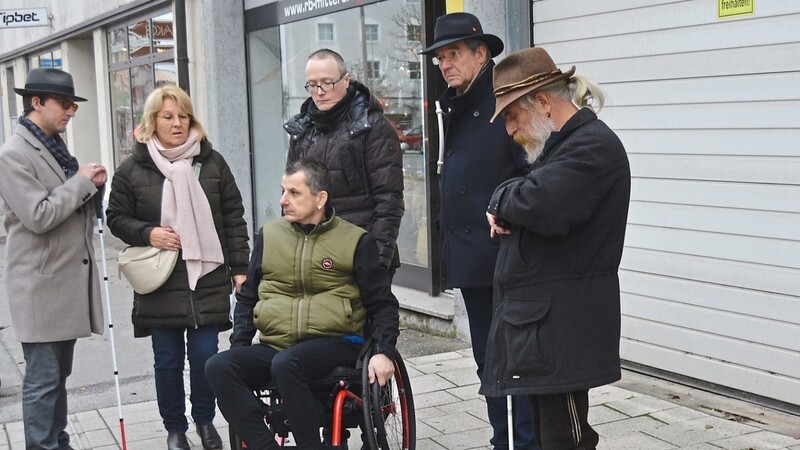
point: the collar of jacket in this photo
(356, 120)
(481, 87)
(325, 225)
(142, 156)
(579, 119)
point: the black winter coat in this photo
(478, 156)
(556, 324)
(134, 209)
(362, 152)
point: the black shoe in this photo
(209, 436)
(177, 441)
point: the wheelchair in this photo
(384, 415)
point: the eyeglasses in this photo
(182, 118)
(66, 103)
(449, 56)
(324, 86)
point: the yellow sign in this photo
(452, 6)
(735, 8)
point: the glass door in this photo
(380, 43)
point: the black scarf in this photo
(327, 120)
(56, 146)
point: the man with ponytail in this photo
(561, 229)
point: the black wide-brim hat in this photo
(50, 81)
(456, 27)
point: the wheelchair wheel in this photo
(389, 420)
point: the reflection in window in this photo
(413, 33)
(373, 69)
(121, 115)
(325, 32)
(414, 70)
(48, 59)
(385, 61)
(162, 33)
(371, 32)
(139, 40)
(141, 58)
(118, 45)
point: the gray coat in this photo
(51, 277)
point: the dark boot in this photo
(209, 436)
(177, 441)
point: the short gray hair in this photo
(328, 53)
(318, 178)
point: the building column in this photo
(218, 74)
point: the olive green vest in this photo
(307, 288)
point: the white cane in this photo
(439, 119)
(510, 410)
(99, 213)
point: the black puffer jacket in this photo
(360, 148)
(134, 209)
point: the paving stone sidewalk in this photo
(452, 416)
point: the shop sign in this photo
(735, 8)
(25, 17)
(286, 11)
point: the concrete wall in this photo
(224, 88)
(63, 15)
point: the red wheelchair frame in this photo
(384, 414)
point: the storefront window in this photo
(47, 59)
(141, 58)
(380, 43)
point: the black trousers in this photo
(560, 421)
(236, 373)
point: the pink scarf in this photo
(193, 222)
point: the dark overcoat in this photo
(556, 324)
(134, 209)
(478, 156)
(362, 152)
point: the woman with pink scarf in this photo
(175, 192)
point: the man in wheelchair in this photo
(315, 291)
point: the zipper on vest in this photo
(192, 305)
(303, 301)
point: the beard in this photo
(533, 135)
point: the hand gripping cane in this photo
(99, 212)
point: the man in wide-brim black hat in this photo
(51, 277)
(478, 155)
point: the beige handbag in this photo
(147, 268)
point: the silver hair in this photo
(580, 91)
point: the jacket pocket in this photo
(522, 320)
(49, 255)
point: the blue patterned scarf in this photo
(56, 146)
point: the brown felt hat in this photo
(522, 72)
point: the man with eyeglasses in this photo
(478, 156)
(51, 278)
(342, 126)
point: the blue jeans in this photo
(44, 394)
(170, 351)
(478, 302)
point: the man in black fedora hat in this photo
(478, 156)
(557, 300)
(51, 277)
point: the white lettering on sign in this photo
(28, 17)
